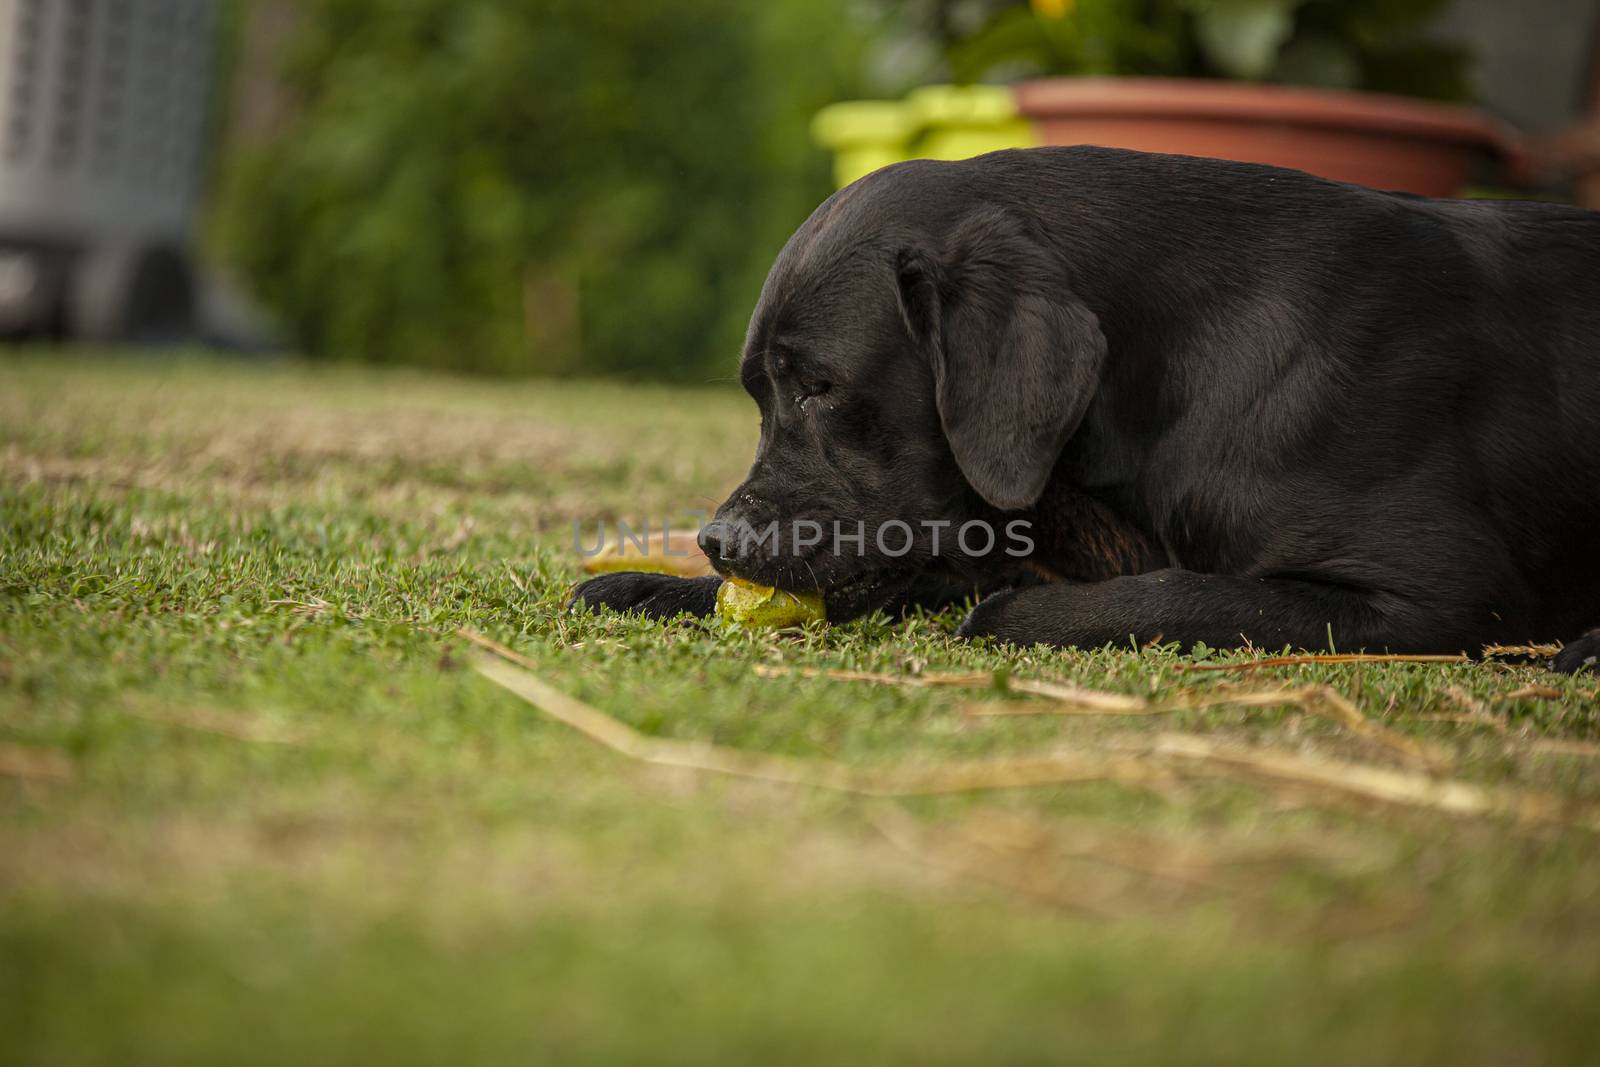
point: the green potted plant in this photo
(1357, 90)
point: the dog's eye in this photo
(810, 387)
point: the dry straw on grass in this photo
(1146, 762)
(974, 680)
(1063, 699)
(1522, 651)
(1310, 659)
(1476, 713)
(819, 774)
(1296, 661)
(1535, 692)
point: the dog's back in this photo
(1333, 382)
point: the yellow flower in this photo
(1051, 9)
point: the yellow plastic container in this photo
(864, 135)
(934, 122)
(962, 121)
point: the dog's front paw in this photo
(990, 618)
(1581, 655)
(655, 596)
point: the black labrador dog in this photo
(1212, 402)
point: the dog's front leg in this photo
(1186, 607)
(655, 596)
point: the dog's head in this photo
(920, 360)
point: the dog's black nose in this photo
(710, 540)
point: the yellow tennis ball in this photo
(754, 606)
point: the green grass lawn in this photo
(256, 807)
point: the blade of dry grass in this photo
(309, 609)
(1090, 700)
(1330, 703)
(1072, 700)
(512, 574)
(1372, 783)
(1531, 651)
(1008, 709)
(1322, 658)
(1319, 700)
(974, 680)
(1534, 692)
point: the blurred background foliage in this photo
(578, 186)
(537, 186)
(1380, 45)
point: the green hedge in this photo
(537, 186)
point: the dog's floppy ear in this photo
(1016, 355)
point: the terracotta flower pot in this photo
(1387, 142)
